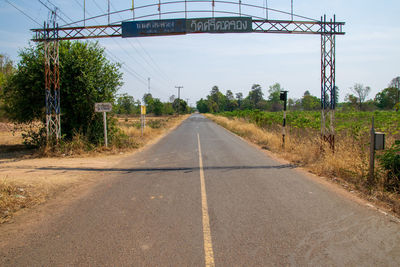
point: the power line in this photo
(20, 10)
(162, 75)
(159, 70)
(51, 10)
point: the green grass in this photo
(353, 123)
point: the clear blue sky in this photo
(369, 53)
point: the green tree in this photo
(86, 77)
(149, 102)
(387, 98)
(239, 99)
(351, 100)
(274, 97)
(180, 106)
(157, 107)
(6, 71)
(168, 109)
(310, 102)
(125, 104)
(202, 106)
(218, 100)
(256, 95)
(231, 103)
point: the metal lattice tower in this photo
(328, 81)
(52, 82)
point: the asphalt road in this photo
(203, 197)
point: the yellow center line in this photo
(208, 249)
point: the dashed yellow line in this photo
(208, 249)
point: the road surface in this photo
(204, 197)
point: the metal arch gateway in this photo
(241, 19)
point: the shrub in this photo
(390, 161)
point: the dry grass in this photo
(348, 165)
(14, 198)
(155, 127)
(9, 135)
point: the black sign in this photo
(153, 27)
(183, 26)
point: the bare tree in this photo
(361, 92)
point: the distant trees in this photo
(125, 104)
(361, 93)
(218, 102)
(388, 99)
(310, 102)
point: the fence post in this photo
(371, 178)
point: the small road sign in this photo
(143, 110)
(102, 107)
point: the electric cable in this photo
(25, 14)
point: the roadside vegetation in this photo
(87, 77)
(259, 120)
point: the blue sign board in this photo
(183, 26)
(153, 27)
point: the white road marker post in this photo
(104, 108)
(142, 117)
(105, 128)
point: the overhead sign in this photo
(102, 107)
(183, 26)
(219, 25)
(153, 27)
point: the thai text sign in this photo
(153, 27)
(102, 107)
(143, 110)
(219, 25)
(183, 26)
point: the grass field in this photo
(303, 146)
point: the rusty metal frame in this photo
(52, 84)
(328, 81)
(326, 29)
(77, 33)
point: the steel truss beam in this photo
(77, 33)
(263, 26)
(297, 27)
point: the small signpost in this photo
(377, 142)
(103, 107)
(142, 117)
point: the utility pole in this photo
(179, 96)
(148, 79)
